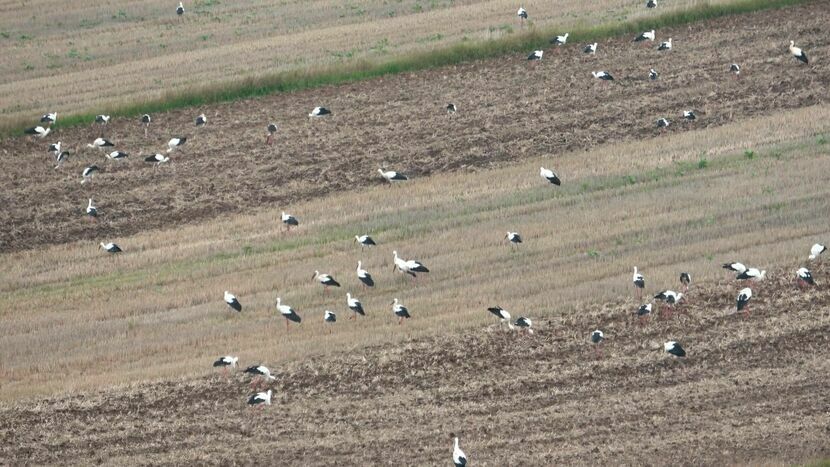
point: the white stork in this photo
(175, 143)
(55, 148)
(590, 49)
(734, 266)
(451, 108)
(653, 75)
(61, 158)
(503, 314)
(288, 313)
(38, 131)
(645, 36)
(513, 238)
(400, 311)
(669, 299)
(88, 173)
(736, 70)
(145, 120)
(180, 9)
(102, 119)
(261, 398)
(110, 247)
(550, 176)
(49, 118)
(665, 45)
(816, 250)
(639, 283)
(804, 277)
(319, 112)
(91, 210)
(354, 305)
(272, 129)
(743, 301)
(689, 115)
(597, 337)
(753, 274)
(798, 53)
(201, 120)
(522, 14)
(407, 266)
(674, 348)
(603, 76)
(663, 123)
(327, 280)
(363, 276)
(364, 240)
(157, 159)
(536, 55)
(391, 176)
(260, 373)
(559, 41)
(458, 456)
(117, 155)
(289, 221)
(329, 317)
(524, 324)
(228, 361)
(651, 4)
(100, 143)
(685, 280)
(644, 312)
(232, 301)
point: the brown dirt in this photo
(508, 110)
(751, 391)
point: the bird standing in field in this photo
(272, 129)
(407, 266)
(175, 142)
(329, 317)
(550, 176)
(653, 75)
(590, 49)
(798, 53)
(513, 238)
(49, 118)
(451, 108)
(752, 274)
(117, 155)
(685, 280)
(743, 301)
(100, 144)
(55, 148)
(536, 55)
(665, 45)
(145, 121)
(180, 9)
(37, 131)
(524, 324)
(735, 267)
(736, 70)
(91, 211)
(391, 176)
(110, 247)
(522, 14)
(663, 123)
(102, 119)
(201, 120)
(559, 41)
(261, 374)
(327, 280)
(363, 276)
(597, 337)
(804, 277)
(354, 305)
(288, 313)
(261, 399)
(639, 283)
(501, 313)
(603, 76)
(645, 36)
(61, 158)
(689, 115)
(400, 311)
(226, 362)
(289, 221)
(88, 173)
(319, 112)
(644, 312)
(232, 301)
(157, 160)
(674, 348)
(458, 456)
(364, 241)
(816, 250)
(651, 4)
(669, 298)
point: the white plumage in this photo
(816, 250)
(798, 53)
(665, 45)
(391, 176)
(232, 301)
(175, 143)
(550, 176)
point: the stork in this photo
(685, 279)
(157, 159)
(117, 155)
(597, 337)
(674, 348)
(513, 238)
(645, 36)
(288, 313)
(226, 362)
(88, 173)
(503, 314)
(232, 302)
(175, 142)
(327, 280)
(804, 277)
(669, 299)
(37, 131)
(639, 283)
(179, 12)
(743, 301)
(289, 221)
(536, 55)
(354, 305)
(524, 324)
(590, 49)
(798, 53)
(665, 45)
(319, 112)
(364, 241)
(653, 75)
(522, 14)
(550, 176)
(49, 118)
(451, 108)
(400, 311)
(110, 247)
(644, 312)
(363, 276)
(559, 41)
(272, 129)
(145, 121)
(816, 250)
(736, 70)
(91, 211)
(689, 115)
(100, 144)
(391, 176)
(458, 456)
(61, 158)
(407, 266)
(201, 120)
(663, 123)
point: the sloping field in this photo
(121, 52)
(752, 392)
(508, 111)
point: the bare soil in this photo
(751, 391)
(508, 110)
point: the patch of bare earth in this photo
(752, 390)
(508, 110)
